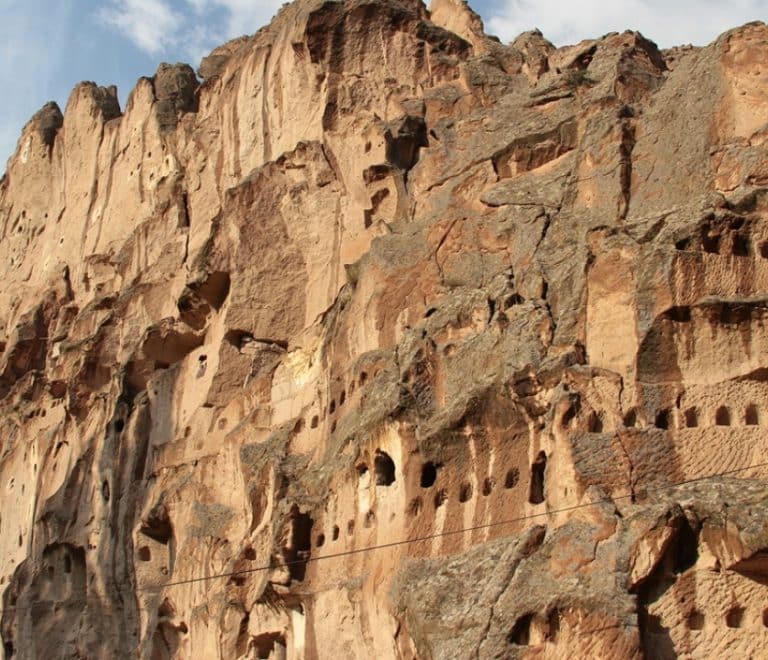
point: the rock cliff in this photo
(378, 338)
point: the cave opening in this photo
(428, 475)
(723, 416)
(384, 467)
(538, 469)
(751, 416)
(735, 617)
(297, 550)
(521, 631)
(663, 418)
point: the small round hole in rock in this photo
(320, 542)
(335, 534)
(428, 475)
(465, 492)
(315, 421)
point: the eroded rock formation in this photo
(389, 340)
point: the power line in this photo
(428, 537)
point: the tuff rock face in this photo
(377, 280)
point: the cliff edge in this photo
(377, 337)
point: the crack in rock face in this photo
(382, 338)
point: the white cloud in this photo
(193, 27)
(151, 24)
(243, 16)
(668, 23)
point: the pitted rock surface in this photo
(385, 339)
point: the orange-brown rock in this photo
(389, 340)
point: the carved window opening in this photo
(723, 416)
(553, 625)
(335, 532)
(630, 419)
(764, 249)
(297, 550)
(685, 549)
(315, 421)
(663, 418)
(513, 476)
(428, 475)
(521, 631)
(320, 542)
(465, 492)
(695, 620)
(740, 245)
(711, 244)
(594, 423)
(751, 416)
(735, 617)
(269, 645)
(691, 418)
(538, 470)
(144, 553)
(384, 468)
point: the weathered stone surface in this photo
(439, 348)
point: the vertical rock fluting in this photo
(389, 340)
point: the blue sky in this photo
(47, 46)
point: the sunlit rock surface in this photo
(375, 279)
